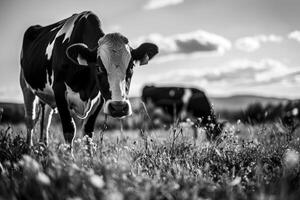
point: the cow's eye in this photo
(99, 70)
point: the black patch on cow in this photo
(198, 105)
(146, 48)
(35, 63)
(129, 73)
(103, 80)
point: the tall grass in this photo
(245, 162)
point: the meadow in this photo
(245, 162)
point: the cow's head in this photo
(114, 60)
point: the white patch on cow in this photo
(49, 120)
(186, 96)
(158, 111)
(81, 60)
(172, 93)
(56, 27)
(66, 29)
(86, 14)
(49, 50)
(47, 94)
(80, 108)
(94, 103)
(115, 58)
(185, 99)
(34, 108)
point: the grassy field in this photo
(245, 162)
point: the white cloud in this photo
(267, 77)
(238, 72)
(155, 4)
(253, 43)
(192, 44)
(295, 35)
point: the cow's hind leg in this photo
(30, 104)
(48, 112)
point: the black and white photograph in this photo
(150, 100)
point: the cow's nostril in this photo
(119, 106)
(125, 108)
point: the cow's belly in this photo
(81, 109)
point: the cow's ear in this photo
(144, 53)
(80, 54)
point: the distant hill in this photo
(239, 102)
(233, 103)
(12, 112)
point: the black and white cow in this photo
(182, 103)
(74, 67)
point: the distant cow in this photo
(181, 103)
(74, 67)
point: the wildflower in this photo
(43, 178)
(30, 165)
(218, 152)
(291, 158)
(174, 186)
(235, 181)
(78, 140)
(97, 181)
(127, 148)
(115, 196)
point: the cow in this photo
(74, 68)
(182, 103)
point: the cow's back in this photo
(43, 50)
(158, 94)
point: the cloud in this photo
(156, 4)
(181, 45)
(238, 73)
(295, 35)
(266, 77)
(250, 44)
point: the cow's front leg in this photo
(89, 127)
(67, 122)
(31, 106)
(90, 122)
(46, 126)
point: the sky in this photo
(223, 47)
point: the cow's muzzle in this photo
(118, 109)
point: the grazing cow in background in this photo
(72, 66)
(183, 103)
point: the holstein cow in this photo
(74, 67)
(181, 103)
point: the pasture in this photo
(245, 162)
